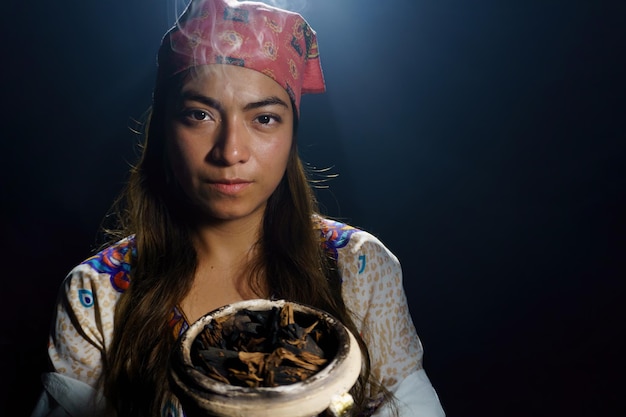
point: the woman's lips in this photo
(229, 186)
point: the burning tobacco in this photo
(261, 348)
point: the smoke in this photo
(218, 38)
(298, 6)
(259, 35)
(200, 40)
(176, 7)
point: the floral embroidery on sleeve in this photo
(116, 261)
(335, 235)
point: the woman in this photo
(217, 210)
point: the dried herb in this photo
(262, 348)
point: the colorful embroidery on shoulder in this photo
(115, 261)
(335, 235)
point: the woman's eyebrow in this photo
(216, 104)
(269, 101)
(201, 98)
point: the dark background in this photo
(482, 141)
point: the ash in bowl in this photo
(265, 348)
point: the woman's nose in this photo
(231, 145)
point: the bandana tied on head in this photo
(275, 42)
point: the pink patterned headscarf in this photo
(275, 42)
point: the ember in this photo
(262, 348)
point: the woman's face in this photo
(229, 136)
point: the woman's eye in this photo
(198, 115)
(266, 119)
(195, 115)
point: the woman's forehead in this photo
(231, 82)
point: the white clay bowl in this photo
(307, 398)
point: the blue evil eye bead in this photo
(85, 297)
(361, 263)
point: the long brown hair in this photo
(291, 261)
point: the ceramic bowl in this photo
(325, 390)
